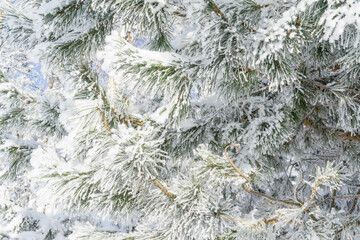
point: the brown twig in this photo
(141, 180)
(260, 6)
(52, 82)
(18, 112)
(259, 91)
(339, 133)
(348, 224)
(354, 204)
(66, 10)
(134, 121)
(155, 181)
(247, 180)
(347, 136)
(232, 164)
(300, 66)
(159, 185)
(106, 102)
(218, 11)
(333, 201)
(104, 120)
(316, 84)
(297, 196)
(315, 190)
(313, 195)
(298, 186)
(297, 25)
(329, 198)
(268, 204)
(289, 204)
(180, 14)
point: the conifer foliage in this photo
(180, 119)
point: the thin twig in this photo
(315, 190)
(289, 204)
(347, 224)
(354, 204)
(18, 112)
(104, 120)
(141, 180)
(287, 177)
(300, 66)
(270, 205)
(297, 192)
(260, 6)
(233, 165)
(52, 82)
(298, 186)
(259, 91)
(180, 14)
(106, 102)
(218, 11)
(316, 84)
(348, 136)
(329, 198)
(333, 201)
(159, 185)
(134, 121)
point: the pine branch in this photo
(132, 120)
(218, 11)
(106, 102)
(18, 112)
(232, 164)
(348, 136)
(155, 181)
(52, 82)
(352, 209)
(68, 8)
(180, 14)
(162, 188)
(247, 180)
(297, 189)
(333, 201)
(329, 198)
(356, 220)
(318, 85)
(315, 190)
(103, 117)
(259, 91)
(286, 203)
(260, 6)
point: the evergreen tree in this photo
(180, 119)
